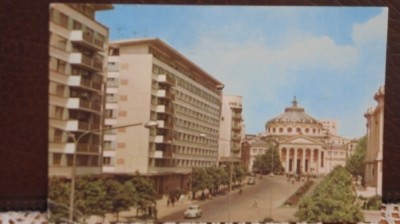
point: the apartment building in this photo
(231, 129)
(148, 80)
(78, 50)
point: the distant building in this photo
(373, 158)
(231, 128)
(257, 147)
(330, 126)
(77, 62)
(149, 80)
(305, 145)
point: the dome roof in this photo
(294, 114)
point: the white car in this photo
(193, 211)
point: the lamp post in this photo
(148, 124)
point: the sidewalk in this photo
(162, 209)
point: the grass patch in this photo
(294, 199)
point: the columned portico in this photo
(306, 160)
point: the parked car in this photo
(251, 181)
(193, 211)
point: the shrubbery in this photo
(332, 201)
(96, 195)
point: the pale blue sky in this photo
(331, 58)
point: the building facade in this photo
(78, 54)
(305, 145)
(373, 158)
(150, 81)
(231, 129)
(257, 147)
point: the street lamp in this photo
(148, 124)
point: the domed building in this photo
(305, 145)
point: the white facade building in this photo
(149, 80)
(231, 128)
(78, 54)
(305, 146)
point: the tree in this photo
(89, 193)
(59, 190)
(355, 164)
(269, 161)
(334, 200)
(238, 173)
(200, 180)
(143, 193)
(120, 196)
(218, 177)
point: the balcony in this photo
(236, 127)
(87, 40)
(80, 81)
(237, 117)
(87, 62)
(164, 109)
(163, 139)
(162, 78)
(87, 148)
(165, 94)
(165, 124)
(74, 125)
(77, 103)
(156, 154)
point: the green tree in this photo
(143, 193)
(89, 193)
(269, 161)
(201, 180)
(59, 191)
(239, 173)
(355, 163)
(333, 200)
(217, 176)
(120, 196)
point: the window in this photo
(63, 20)
(124, 82)
(120, 161)
(57, 159)
(77, 25)
(61, 65)
(58, 112)
(106, 161)
(123, 97)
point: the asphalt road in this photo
(268, 193)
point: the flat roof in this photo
(161, 45)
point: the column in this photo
(294, 165)
(319, 161)
(287, 160)
(303, 161)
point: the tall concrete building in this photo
(373, 158)
(231, 129)
(78, 47)
(150, 81)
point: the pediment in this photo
(301, 140)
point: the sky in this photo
(331, 58)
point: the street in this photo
(257, 202)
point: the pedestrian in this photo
(168, 201)
(155, 213)
(173, 201)
(255, 204)
(181, 198)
